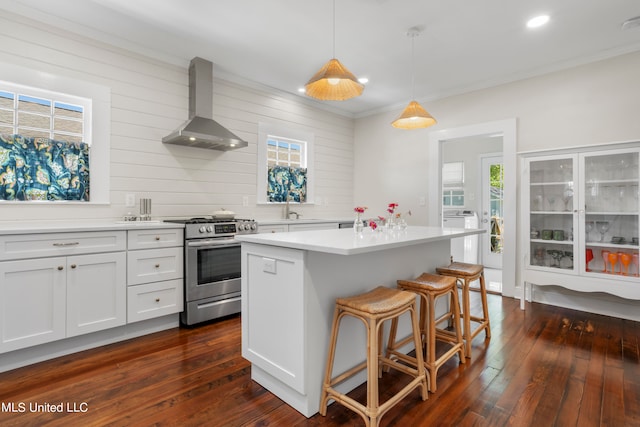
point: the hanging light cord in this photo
(334, 29)
(413, 65)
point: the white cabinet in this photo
(273, 228)
(155, 268)
(46, 298)
(313, 226)
(581, 221)
(96, 292)
(32, 302)
(297, 226)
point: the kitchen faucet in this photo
(288, 212)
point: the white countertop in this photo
(346, 242)
(70, 226)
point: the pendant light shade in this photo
(414, 116)
(334, 83)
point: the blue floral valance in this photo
(286, 182)
(43, 169)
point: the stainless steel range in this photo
(212, 267)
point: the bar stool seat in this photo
(465, 274)
(430, 287)
(373, 308)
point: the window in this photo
(453, 184)
(285, 166)
(38, 113)
(43, 153)
(60, 108)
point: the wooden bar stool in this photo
(465, 274)
(373, 309)
(430, 287)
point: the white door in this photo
(492, 217)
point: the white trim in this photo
(100, 120)
(508, 129)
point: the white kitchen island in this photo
(289, 285)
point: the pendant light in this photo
(333, 82)
(414, 116)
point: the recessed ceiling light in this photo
(537, 21)
(301, 90)
(363, 80)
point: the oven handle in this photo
(213, 243)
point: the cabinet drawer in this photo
(154, 300)
(154, 265)
(273, 228)
(156, 238)
(24, 246)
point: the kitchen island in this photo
(289, 285)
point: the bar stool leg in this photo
(485, 306)
(324, 397)
(467, 317)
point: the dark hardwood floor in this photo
(542, 367)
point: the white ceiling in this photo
(465, 45)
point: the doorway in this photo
(507, 130)
(492, 219)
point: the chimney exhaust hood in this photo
(201, 130)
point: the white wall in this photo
(149, 99)
(586, 105)
(591, 104)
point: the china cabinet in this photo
(580, 215)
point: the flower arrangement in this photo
(391, 208)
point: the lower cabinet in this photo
(155, 268)
(61, 285)
(154, 299)
(299, 226)
(47, 299)
(96, 292)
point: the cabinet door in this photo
(553, 209)
(32, 302)
(610, 220)
(96, 292)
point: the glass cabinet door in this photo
(610, 221)
(552, 212)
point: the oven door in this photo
(212, 268)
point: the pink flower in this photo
(373, 224)
(392, 207)
(381, 218)
(360, 209)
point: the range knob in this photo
(210, 229)
(254, 226)
(241, 227)
(202, 229)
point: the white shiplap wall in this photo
(149, 99)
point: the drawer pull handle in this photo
(73, 266)
(157, 299)
(157, 237)
(157, 265)
(66, 244)
(60, 267)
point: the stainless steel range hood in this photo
(201, 130)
